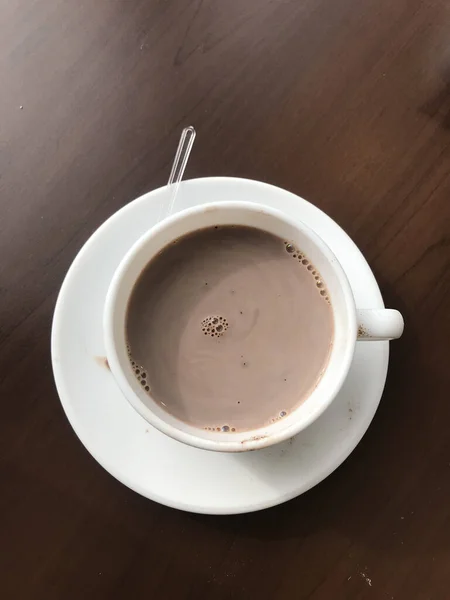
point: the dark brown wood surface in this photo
(344, 102)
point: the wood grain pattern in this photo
(344, 102)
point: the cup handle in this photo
(379, 324)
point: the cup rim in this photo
(253, 442)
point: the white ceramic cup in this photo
(350, 323)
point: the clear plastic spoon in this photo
(176, 175)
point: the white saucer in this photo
(157, 466)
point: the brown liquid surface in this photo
(229, 329)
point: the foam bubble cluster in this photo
(303, 260)
(280, 415)
(223, 429)
(139, 371)
(214, 326)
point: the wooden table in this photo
(344, 102)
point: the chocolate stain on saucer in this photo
(102, 361)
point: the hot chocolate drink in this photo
(229, 328)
